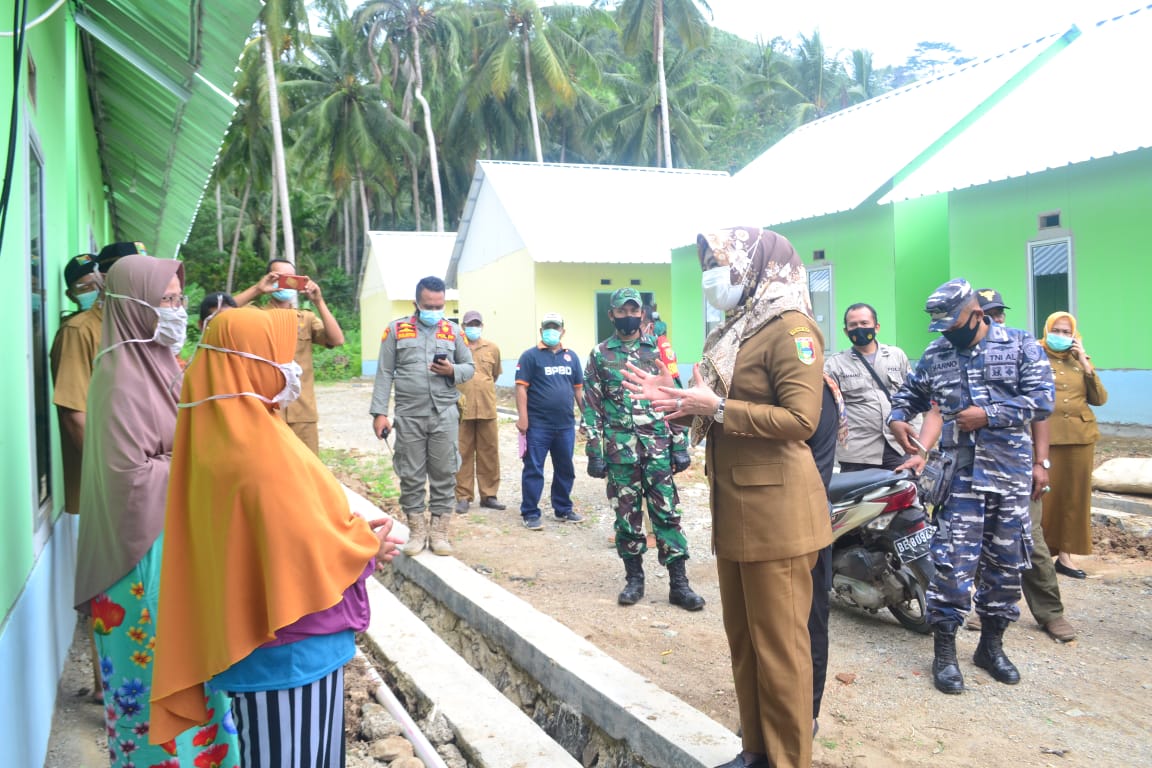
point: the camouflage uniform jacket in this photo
(1008, 375)
(619, 428)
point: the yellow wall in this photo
(502, 292)
(571, 289)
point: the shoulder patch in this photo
(799, 329)
(806, 349)
(385, 334)
(405, 329)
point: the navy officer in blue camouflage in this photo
(990, 383)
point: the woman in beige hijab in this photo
(756, 399)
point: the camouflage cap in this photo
(990, 299)
(622, 296)
(945, 303)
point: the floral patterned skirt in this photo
(124, 620)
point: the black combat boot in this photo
(945, 669)
(679, 591)
(989, 654)
(634, 586)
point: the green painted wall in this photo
(1105, 206)
(920, 264)
(685, 315)
(61, 125)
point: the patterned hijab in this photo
(1051, 321)
(774, 281)
(130, 423)
(258, 532)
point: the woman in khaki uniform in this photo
(1067, 508)
(756, 398)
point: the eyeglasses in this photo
(174, 300)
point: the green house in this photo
(1029, 172)
(118, 109)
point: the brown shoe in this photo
(1060, 629)
(973, 622)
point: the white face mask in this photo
(291, 371)
(172, 327)
(718, 289)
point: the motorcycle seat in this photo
(849, 485)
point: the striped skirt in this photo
(294, 727)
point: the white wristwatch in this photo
(1044, 463)
(718, 416)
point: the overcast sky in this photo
(891, 29)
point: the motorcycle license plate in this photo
(916, 545)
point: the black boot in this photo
(945, 669)
(679, 591)
(634, 586)
(989, 654)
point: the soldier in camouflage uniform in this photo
(990, 383)
(638, 451)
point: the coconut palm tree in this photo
(521, 37)
(641, 18)
(696, 109)
(406, 25)
(343, 119)
(281, 21)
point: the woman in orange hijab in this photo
(262, 586)
(1068, 506)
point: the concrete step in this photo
(518, 687)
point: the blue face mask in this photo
(472, 332)
(87, 300)
(550, 337)
(1058, 343)
(284, 294)
(431, 316)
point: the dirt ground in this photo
(1087, 703)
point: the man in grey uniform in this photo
(425, 356)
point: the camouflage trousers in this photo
(982, 536)
(629, 485)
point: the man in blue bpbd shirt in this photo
(549, 382)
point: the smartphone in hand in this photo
(294, 282)
(439, 357)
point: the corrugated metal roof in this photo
(1081, 105)
(152, 65)
(599, 213)
(840, 161)
(399, 260)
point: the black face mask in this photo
(962, 338)
(862, 337)
(626, 326)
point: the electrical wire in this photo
(36, 21)
(19, 17)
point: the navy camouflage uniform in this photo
(985, 518)
(637, 444)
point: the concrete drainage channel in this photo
(517, 688)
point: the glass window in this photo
(820, 291)
(1049, 279)
(41, 389)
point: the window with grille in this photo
(1049, 279)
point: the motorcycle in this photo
(880, 548)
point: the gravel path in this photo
(1087, 703)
